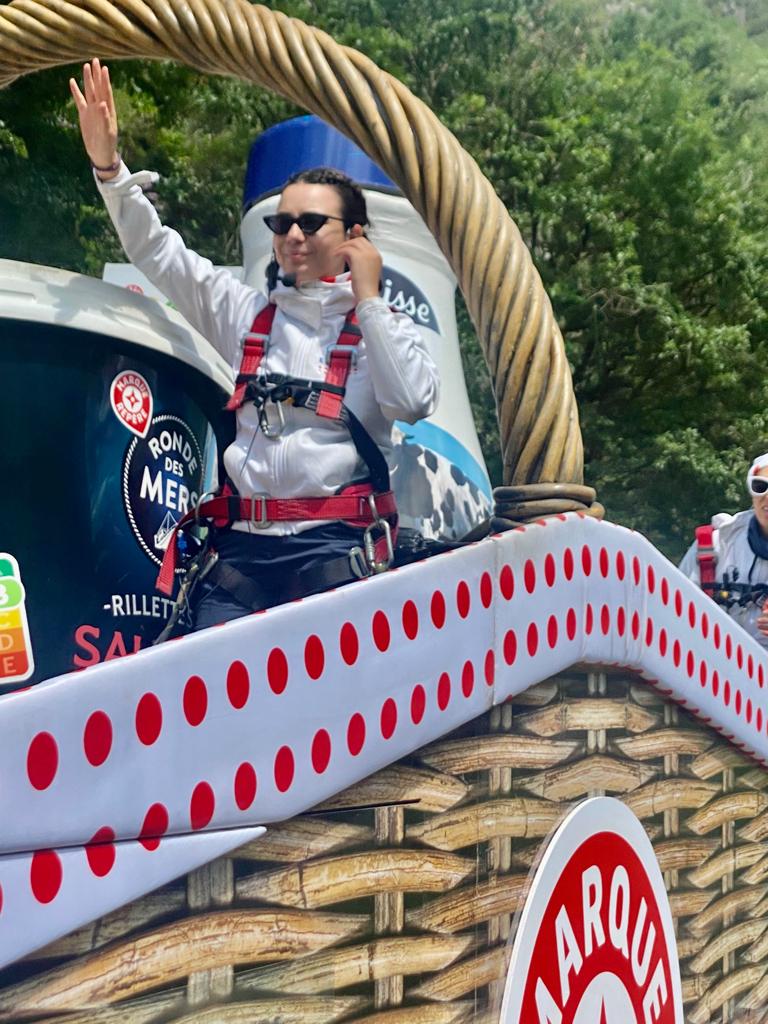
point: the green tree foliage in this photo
(629, 142)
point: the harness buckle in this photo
(369, 541)
(203, 498)
(358, 563)
(342, 350)
(261, 522)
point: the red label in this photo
(14, 665)
(600, 955)
(132, 401)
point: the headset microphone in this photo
(274, 275)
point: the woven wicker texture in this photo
(400, 914)
(521, 340)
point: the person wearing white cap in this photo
(729, 559)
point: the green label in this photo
(6, 567)
(11, 593)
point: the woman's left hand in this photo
(364, 261)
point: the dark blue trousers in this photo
(267, 560)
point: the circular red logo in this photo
(595, 942)
(131, 401)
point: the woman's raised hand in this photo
(98, 120)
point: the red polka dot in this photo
(704, 625)
(100, 852)
(589, 619)
(749, 712)
(662, 642)
(388, 720)
(549, 570)
(489, 668)
(552, 631)
(728, 646)
(529, 576)
(621, 565)
(380, 630)
(418, 703)
(727, 692)
(437, 609)
(284, 769)
(759, 720)
(42, 760)
(201, 806)
(568, 564)
(621, 620)
(154, 826)
(665, 591)
(321, 751)
(238, 685)
(349, 645)
(586, 560)
(532, 639)
(648, 632)
(45, 875)
(677, 653)
(715, 683)
(1, 899)
(149, 719)
(636, 570)
(635, 625)
(462, 599)
(678, 603)
(314, 657)
(356, 734)
(444, 691)
(570, 623)
(690, 664)
(468, 679)
(605, 565)
(97, 738)
(691, 614)
(716, 636)
(411, 619)
(486, 590)
(750, 666)
(651, 577)
(740, 656)
(737, 702)
(605, 619)
(195, 700)
(760, 676)
(245, 785)
(277, 670)
(507, 583)
(510, 646)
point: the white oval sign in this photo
(595, 942)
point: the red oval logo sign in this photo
(595, 942)
(131, 401)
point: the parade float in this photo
(521, 780)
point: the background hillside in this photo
(630, 142)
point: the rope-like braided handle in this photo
(541, 441)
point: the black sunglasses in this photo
(309, 223)
(758, 485)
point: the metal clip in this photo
(269, 430)
(201, 500)
(261, 522)
(352, 349)
(369, 541)
(358, 563)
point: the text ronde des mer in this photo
(601, 924)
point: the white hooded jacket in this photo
(733, 554)
(394, 376)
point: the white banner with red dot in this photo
(258, 720)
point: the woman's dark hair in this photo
(353, 208)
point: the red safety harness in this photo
(705, 556)
(370, 505)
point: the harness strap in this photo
(705, 556)
(340, 360)
(262, 512)
(255, 345)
